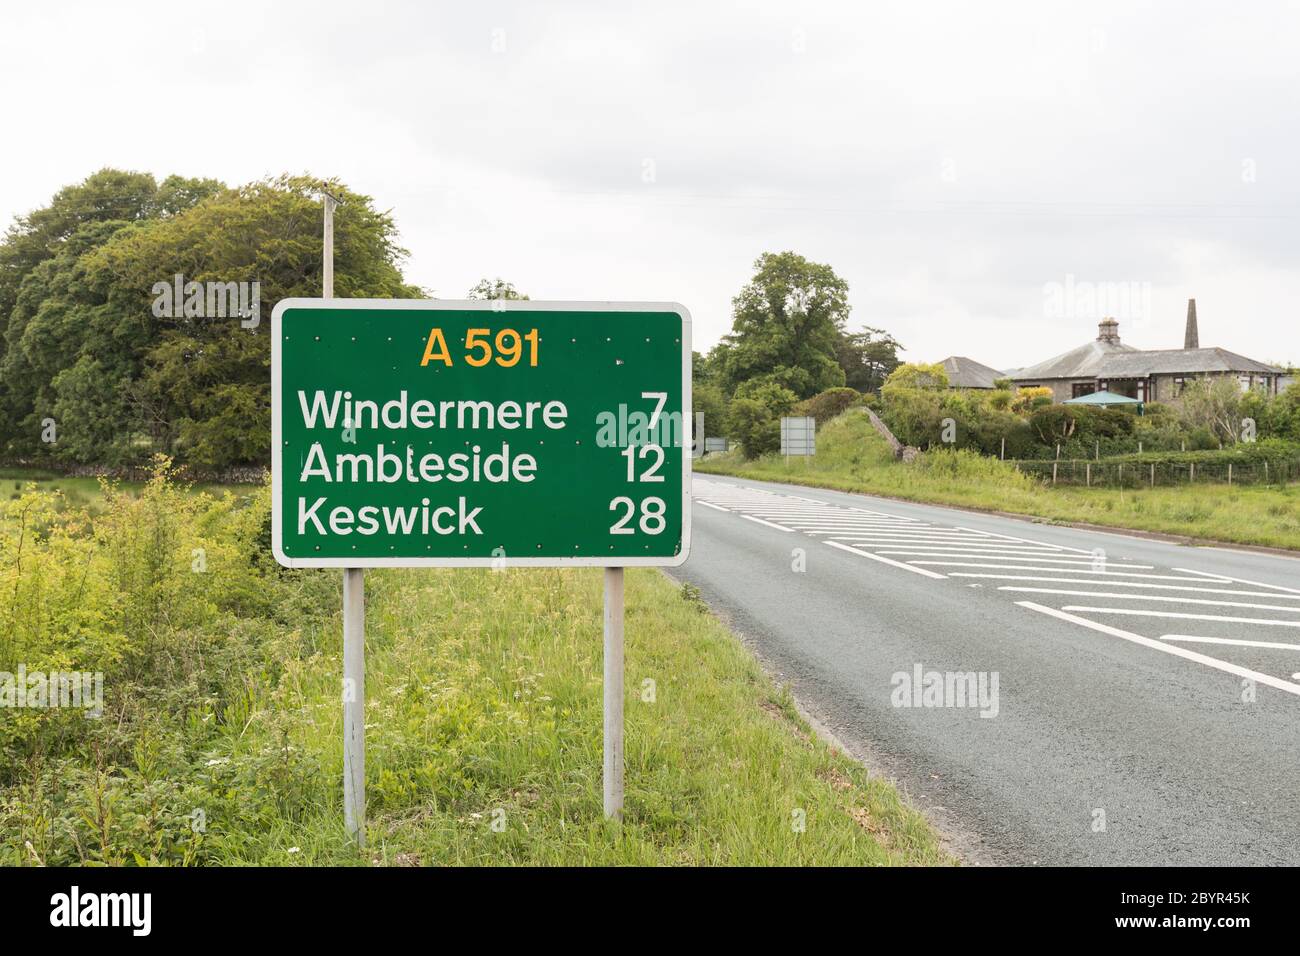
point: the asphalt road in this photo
(1147, 705)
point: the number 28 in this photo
(652, 519)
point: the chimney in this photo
(1191, 338)
(1108, 332)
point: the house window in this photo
(1179, 385)
(1082, 388)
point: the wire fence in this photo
(1110, 474)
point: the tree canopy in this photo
(787, 324)
(80, 340)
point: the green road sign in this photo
(442, 433)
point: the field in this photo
(851, 456)
(220, 741)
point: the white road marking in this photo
(1259, 678)
(975, 549)
(889, 561)
(713, 506)
(811, 525)
(1140, 612)
(986, 556)
(1271, 645)
(768, 524)
(1157, 597)
(883, 514)
(1029, 567)
(1109, 584)
(936, 537)
(1257, 584)
(1028, 541)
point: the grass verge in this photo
(220, 741)
(851, 456)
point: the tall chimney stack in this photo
(1108, 332)
(1191, 338)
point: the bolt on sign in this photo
(447, 433)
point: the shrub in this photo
(999, 399)
(826, 405)
(1028, 399)
(776, 398)
(176, 600)
(917, 375)
(751, 423)
(1080, 424)
(914, 415)
(709, 401)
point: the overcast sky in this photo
(953, 162)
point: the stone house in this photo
(1149, 375)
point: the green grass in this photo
(85, 493)
(484, 706)
(851, 456)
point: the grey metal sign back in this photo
(798, 436)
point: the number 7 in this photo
(659, 406)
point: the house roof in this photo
(1082, 362)
(967, 373)
(1172, 361)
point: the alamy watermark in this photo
(1074, 299)
(922, 688)
(53, 690)
(208, 300)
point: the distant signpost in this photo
(412, 433)
(798, 436)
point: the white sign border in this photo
(498, 306)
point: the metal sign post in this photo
(613, 772)
(354, 635)
(441, 433)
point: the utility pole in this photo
(354, 633)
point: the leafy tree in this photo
(82, 342)
(1214, 404)
(754, 416)
(932, 377)
(709, 400)
(867, 358)
(110, 195)
(787, 324)
(704, 369)
(495, 289)
(773, 396)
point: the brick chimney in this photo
(1108, 332)
(1191, 338)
